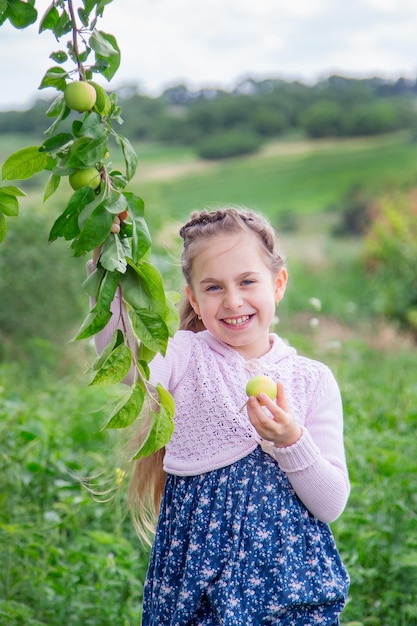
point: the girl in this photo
(242, 536)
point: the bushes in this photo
(65, 558)
(376, 533)
(42, 300)
(228, 144)
(326, 118)
(391, 258)
(354, 213)
(323, 119)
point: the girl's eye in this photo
(213, 288)
(248, 281)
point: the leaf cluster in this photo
(20, 14)
(89, 218)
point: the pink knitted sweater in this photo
(207, 379)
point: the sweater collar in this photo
(279, 350)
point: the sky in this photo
(218, 43)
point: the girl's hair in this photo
(148, 479)
(206, 224)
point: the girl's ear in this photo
(193, 300)
(280, 281)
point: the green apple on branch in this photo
(101, 213)
(80, 96)
(89, 177)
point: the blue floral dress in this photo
(236, 547)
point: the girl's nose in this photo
(232, 299)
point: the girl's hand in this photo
(282, 428)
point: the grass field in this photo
(304, 177)
(68, 559)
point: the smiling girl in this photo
(243, 534)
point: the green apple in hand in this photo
(261, 384)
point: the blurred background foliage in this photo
(334, 107)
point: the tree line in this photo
(220, 123)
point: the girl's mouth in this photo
(236, 321)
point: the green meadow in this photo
(299, 176)
(67, 557)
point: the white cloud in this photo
(213, 42)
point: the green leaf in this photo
(115, 368)
(92, 127)
(151, 329)
(85, 152)
(117, 179)
(162, 426)
(116, 340)
(171, 316)
(113, 256)
(93, 323)
(117, 203)
(151, 292)
(8, 200)
(22, 14)
(103, 44)
(49, 19)
(92, 283)
(3, 10)
(94, 232)
(52, 128)
(145, 354)
(108, 287)
(54, 77)
(57, 106)
(60, 56)
(57, 141)
(97, 4)
(84, 17)
(103, 102)
(130, 156)
(66, 225)
(141, 238)
(63, 25)
(106, 48)
(9, 205)
(144, 369)
(51, 186)
(24, 163)
(128, 410)
(13, 191)
(100, 314)
(3, 227)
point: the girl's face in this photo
(235, 292)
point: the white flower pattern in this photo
(225, 554)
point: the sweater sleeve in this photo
(316, 464)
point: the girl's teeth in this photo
(238, 320)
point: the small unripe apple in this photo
(90, 177)
(261, 384)
(123, 215)
(115, 227)
(80, 96)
